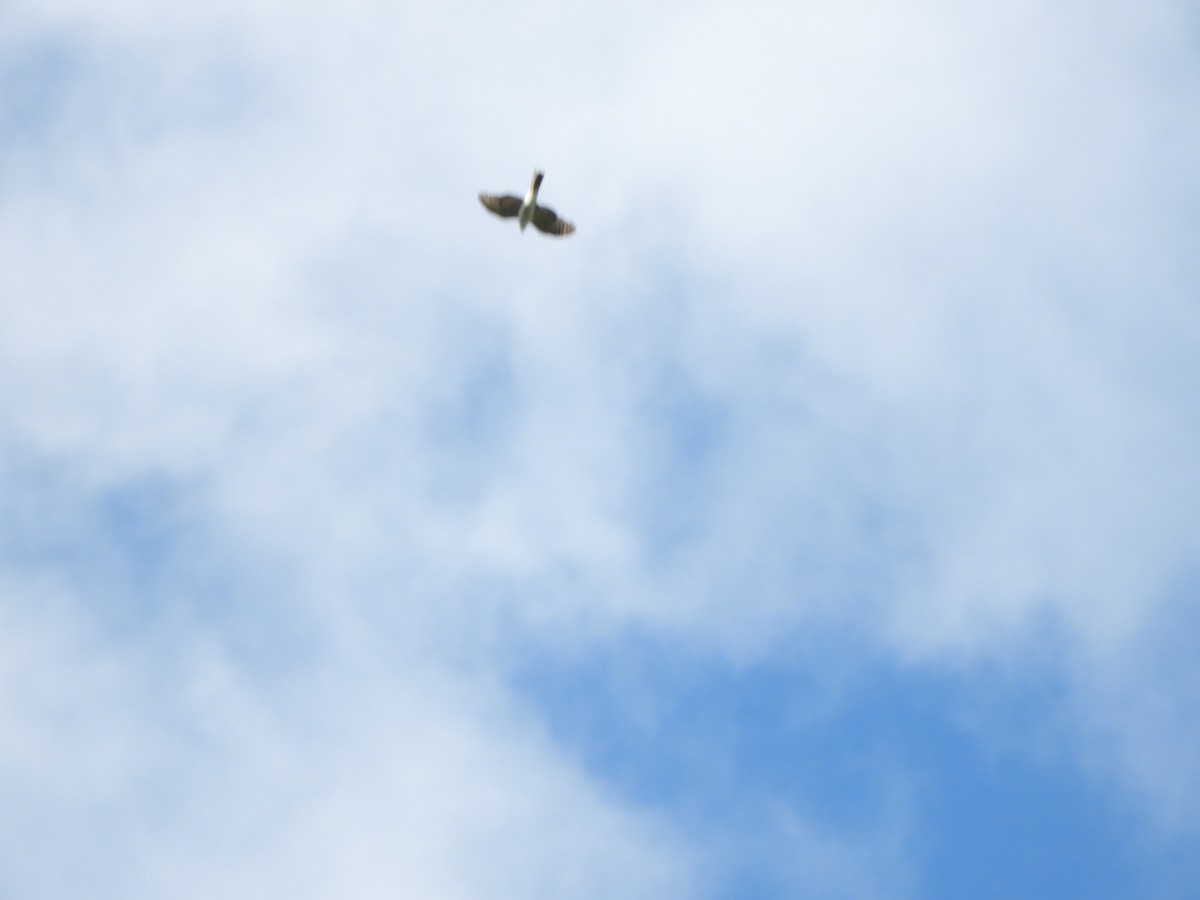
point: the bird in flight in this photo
(528, 210)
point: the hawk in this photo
(528, 210)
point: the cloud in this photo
(877, 330)
(162, 764)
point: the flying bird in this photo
(528, 210)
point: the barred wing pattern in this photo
(505, 205)
(545, 220)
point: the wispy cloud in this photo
(875, 352)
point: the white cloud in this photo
(865, 324)
(166, 766)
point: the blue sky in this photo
(822, 519)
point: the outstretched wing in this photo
(501, 204)
(545, 220)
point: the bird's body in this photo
(529, 204)
(527, 210)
